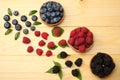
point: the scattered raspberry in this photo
(82, 48)
(39, 51)
(57, 31)
(37, 33)
(26, 40)
(30, 49)
(48, 53)
(45, 35)
(51, 45)
(63, 43)
(41, 43)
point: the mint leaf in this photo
(32, 12)
(17, 35)
(37, 23)
(79, 76)
(50, 70)
(60, 74)
(57, 63)
(9, 11)
(8, 31)
(53, 48)
(58, 56)
(63, 46)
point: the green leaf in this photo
(58, 56)
(8, 31)
(37, 23)
(63, 46)
(32, 12)
(57, 63)
(79, 75)
(62, 31)
(17, 35)
(60, 74)
(50, 70)
(9, 11)
(53, 48)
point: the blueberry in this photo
(18, 27)
(57, 13)
(43, 10)
(44, 4)
(49, 4)
(55, 20)
(68, 63)
(16, 13)
(25, 31)
(63, 54)
(61, 14)
(43, 16)
(14, 22)
(28, 23)
(78, 62)
(75, 72)
(7, 25)
(52, 21)
(6, 17)
(34, 18)
(53, 14)
(56, 69)
(48, 14)
(32, 28)
(23, 18)
(61, 9)
(50, 9)
(47, 20)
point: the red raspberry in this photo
(90, 34)
(30, 49)
(77, 42)
(63, 42)
(57, 32)
(39, 51)
(26, 40)
(41, 43)
(81, 40)
(81, 34)
(82, 48)
(78, 29)
(37, 33)
(73, 33)
(84, 29)
(89, 40)
(51, 45)
(48, 53)
(45, 35)
(71, 41)
(76, 47)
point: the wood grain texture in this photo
(102, 17)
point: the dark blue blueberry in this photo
(16, 13)
(43, 16)
(53, 14)
(50, 9)
(44, 5)
(49, 4)
(6, 17)
(75, 72)
(68, 63)
(61, 14)
(47, 20)
(18, 27)
(7, 25)
(23, 18)
(52, 21)
(56, 69)
(61, 9)
(43, 10)
(14, 22)
(57, 13)
(48, 14)
(78, 62)
(28, 23)
(32, 28)
(55, 20)
(34, 18)
(25, 31)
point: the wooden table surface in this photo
(102, 17)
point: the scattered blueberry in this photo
(78, 62)
(14, 22)
(56, 69)
(18, 27)
(25, 31)
(7, 25)
(63, 54)
(32, 28)
(23, 18)
(75, 72)
(16, 13)
(28, 23)
(34, 18)
(6, 17)
(68, 63)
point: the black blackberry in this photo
(6, 17)
(16, 13)
(75, 72)
(28, 23)
(7, 25)
(68, 63)
(78, 62)
(14, 22)
(25, 31)
(23, 18)
(56, 69)
(63, 54)
(34, 18)
(102, 65)
(18, 27)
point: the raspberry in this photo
(77, 42)
(41, 43)
(48, 53)
(78, 29)
(81, 34)
(26, 40)
(30, 49)
(90, 34)
(37, 33)
(71, 41)
(57, 31)
(51, 45)
(89, 40)
(62, 42)
(39, 51)
(72, 34)
(84, 29)
(82, 48)
(45, 35)
(76, 47)
(81, 40)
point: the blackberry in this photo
(25, 31)
(78, 62)
(68, 63)
(28, 23)
(14, 22)
(102, 65)
(23, 18)
(16, 13)
(32, 28)
(7, 25)
(75, 72)
(6, 17)
(56, 69)
(34, 18)
(18, 27)
(63, 54)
